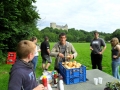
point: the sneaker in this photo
(45, 69)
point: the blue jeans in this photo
(34, 61)
(115, 68)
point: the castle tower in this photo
(53, 25)
(66, 27)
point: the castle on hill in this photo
(53, 25)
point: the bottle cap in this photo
(44, 76)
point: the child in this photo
(22, 76)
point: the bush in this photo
(3, 57)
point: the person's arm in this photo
(48, 50)
(38, 48)
(118, 48)
(39, 87)
(48, 47)
(91, 48)
(104, 46)
(54, 52)
(103, 49)
(15, 81)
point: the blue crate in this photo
(72, 72)
(73, 76)
(74, 80)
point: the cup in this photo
(96, 81)
(100, 80)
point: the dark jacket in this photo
(22, 76)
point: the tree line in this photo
(74, 35)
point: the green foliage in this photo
(108, 37)
(18, 20)
(3, 57)
(116, 33)
(72, 35)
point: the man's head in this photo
(46, 38)
(26, 49)
(62, 38)
(96, 34)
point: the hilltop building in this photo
(53, 25)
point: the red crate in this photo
(11, 58)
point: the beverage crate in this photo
(72, 72)
(75, 79)
(73, 76)
(11, 58)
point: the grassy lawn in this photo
(83, 57)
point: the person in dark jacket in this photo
(22, 76)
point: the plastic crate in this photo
(72, 72)
(74, 80)
(73, 76)
(11, 58)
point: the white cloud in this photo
(101, 15)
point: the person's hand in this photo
(114, 56)
(71, 56)
(39, 50)
(91, 48)
(61, 55)
(39, 87)
(100, 53)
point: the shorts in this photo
(46, 58)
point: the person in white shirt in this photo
(35, 59)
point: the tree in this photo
(116, 33)
(18, 20)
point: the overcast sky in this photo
(89, 15)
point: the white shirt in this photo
(36, 52)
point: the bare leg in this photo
(47, 66)
(43, 66)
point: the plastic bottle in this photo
(45, 82)
(61, 86)
(55, 78)
(49, 87)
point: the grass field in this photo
(83, 57)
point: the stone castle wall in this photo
(53, 25)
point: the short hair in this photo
(96, 32)
(33, 38)
(62, 34)
(46, 38)
(24, 48)
(114, 40)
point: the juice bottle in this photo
(55, 78)
(44, 81)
